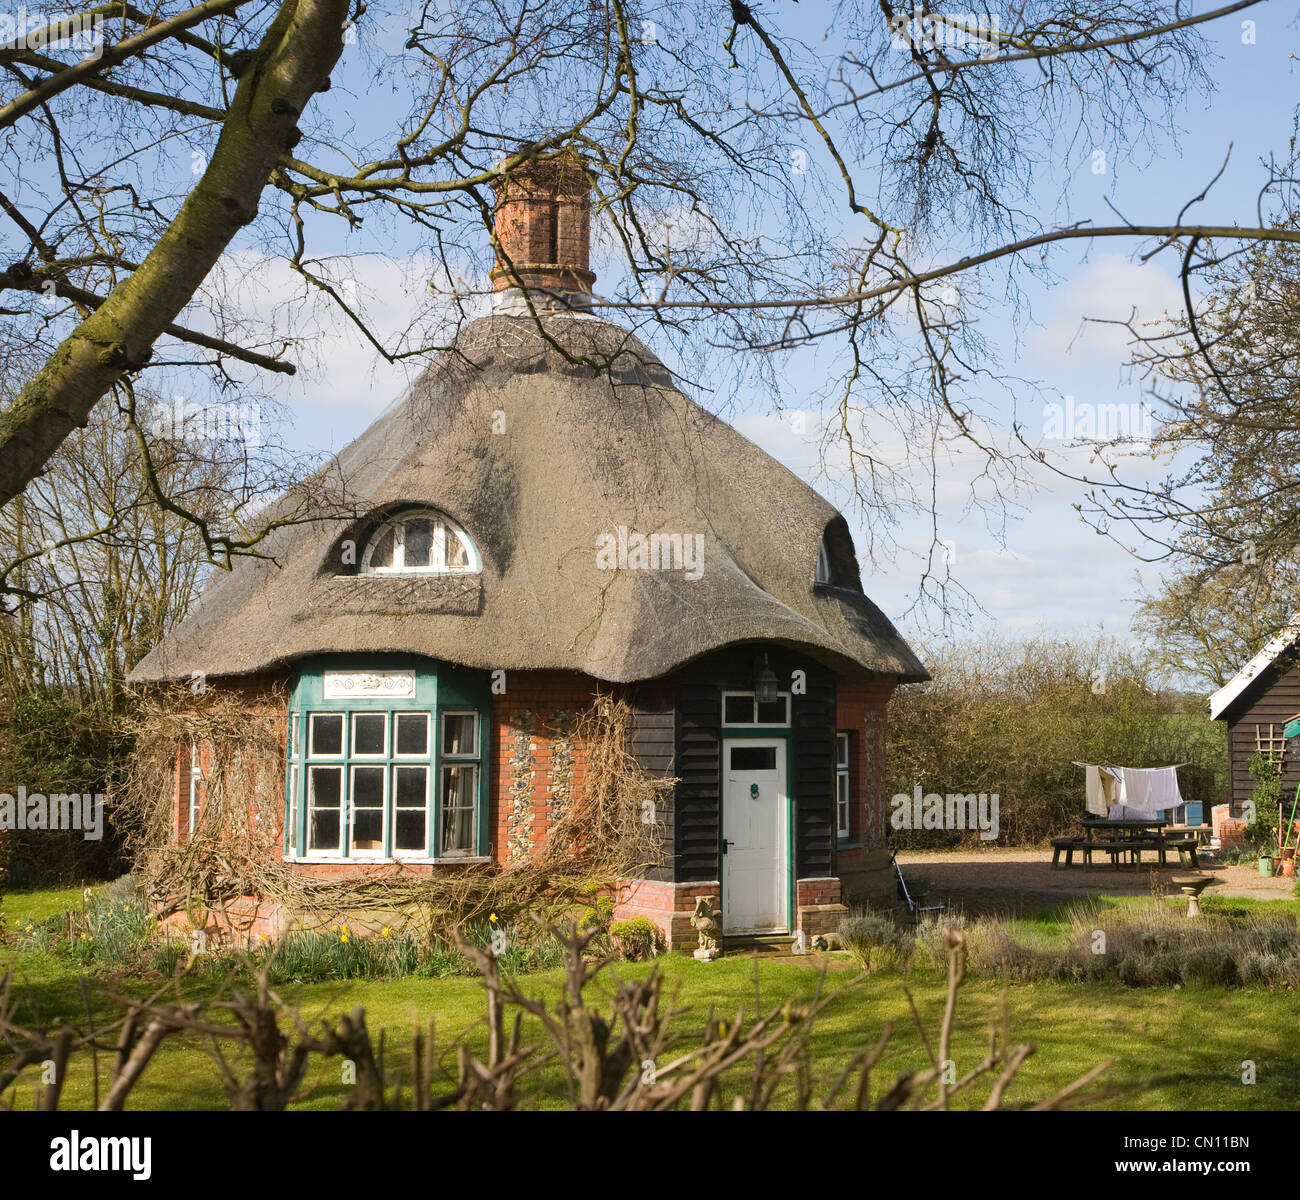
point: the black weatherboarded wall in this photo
(652, 745)
(698, 689)
(1271, 699)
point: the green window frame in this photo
(387, 777)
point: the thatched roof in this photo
(584, 451)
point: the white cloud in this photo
(1110, 288)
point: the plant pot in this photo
(1265, 866)
(1288, 867)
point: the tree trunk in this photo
(292, 63)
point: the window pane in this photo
(842, 796)
(753, 758)
(457, 556)
(367, 808)
(775, 712)
(381, 555)
(842, 749)
(410, 836)
(459, 788)
(411, 786)
(419, 542)
(324, 799)
(293, 735)
(368, 731)
(410, 799)
(412, 733)
(738, 710)
(326, 734)
(460, 734)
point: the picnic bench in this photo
(1125, 840)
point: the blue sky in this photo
(1045, 571)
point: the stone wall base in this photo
(670, 906)
(241, 922)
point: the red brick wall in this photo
(534, 758)
(816, 891)
(668, 905)
(864, 866)
(260, 696)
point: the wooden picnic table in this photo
(1127, 836)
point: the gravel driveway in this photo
(982, 879)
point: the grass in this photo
(32, 907)
(1173, 1048)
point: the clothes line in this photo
(1118, 792)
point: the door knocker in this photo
(753, 791)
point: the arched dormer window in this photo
(419, 541)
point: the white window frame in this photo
(355, 765)
(442, 741)
(329, 764)
(196, 786)
(429, 767)
(446, 760)
(755, 723)
(843, 785)
(450, 764)
(343, 737)
(424, 755)
(444, 527)
(352, 735)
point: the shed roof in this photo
(1237, 685)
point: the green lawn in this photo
(1172, 1048)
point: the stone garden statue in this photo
(709, 929)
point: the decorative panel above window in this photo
(420, 541)
(387, 761)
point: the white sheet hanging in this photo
(1149, 791)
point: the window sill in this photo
(847, 844)
(388, 862)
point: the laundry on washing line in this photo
(1130, 792)
(1101, 788)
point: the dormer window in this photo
(837, 564)
(419, 542)
(823, 572)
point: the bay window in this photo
(386, 764)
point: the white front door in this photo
(756, 855)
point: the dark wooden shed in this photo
(1255, 705)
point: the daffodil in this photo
(385, 932)
(343, 937)
(493, 917)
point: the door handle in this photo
(725, 844)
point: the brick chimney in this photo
(543, 224)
